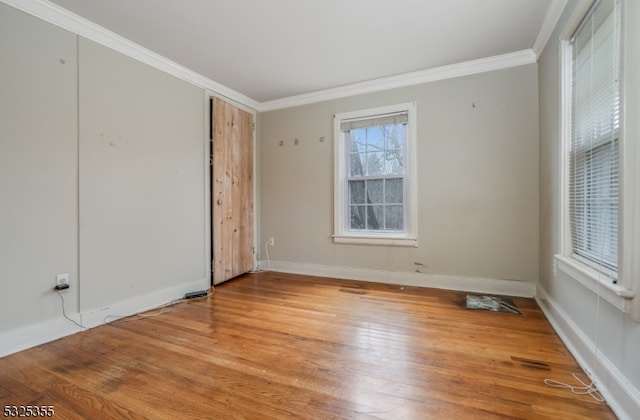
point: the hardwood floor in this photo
(272, 345)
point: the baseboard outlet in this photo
(621, 395)
(466, 284)
(29, 336)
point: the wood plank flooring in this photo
(273, 345)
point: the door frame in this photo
(208, 96)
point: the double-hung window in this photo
(375, 176)
(601, 152)
(594, 151)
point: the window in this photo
(594, 152)
(601, 153)
(375, 176)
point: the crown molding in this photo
(554, 12)
(466, 68)
(56, 15)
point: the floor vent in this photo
(492, 303)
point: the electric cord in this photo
(585, 389)
(170, 306)
(160, 310)
(64, 313)
(266, 251)
(166, 308)
(591, 388)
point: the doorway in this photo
(232, 191)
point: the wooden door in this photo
(232, 191)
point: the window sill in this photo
(375, 240)
(597, 282)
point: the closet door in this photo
(232, 191)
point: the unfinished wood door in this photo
(232, 191)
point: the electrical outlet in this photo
(62, 280)
(271, 241)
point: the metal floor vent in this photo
(492, 303)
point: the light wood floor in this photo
(273, 345)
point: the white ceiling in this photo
(273, 49)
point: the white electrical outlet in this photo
(271, 241)
(62, 279)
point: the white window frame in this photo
(341, 233)
(622, 295)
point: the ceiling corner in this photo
(556, 7)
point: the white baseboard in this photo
(467, 284)
(621, 395)
(33, 335)
(138, 304)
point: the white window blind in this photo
(594, 152)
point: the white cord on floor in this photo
(585, 389)
(590, 388)
(164, 309)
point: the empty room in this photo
(354, 209)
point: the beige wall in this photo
(38, 167)
(102, 176)
(477, 179)
(142, 174)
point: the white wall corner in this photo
(620, 394)
(466, 284)
(554, 12)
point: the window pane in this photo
(375, 139)
(356, 166)
(356, 192)
(395, 149)
(394, 217)
(357, 217)
(375, 164)
(377, 150)
(358, 140)
(375, 217)
(394, 162)
(393, 191)
(375, 191)
(395, 139)
(594, 205)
